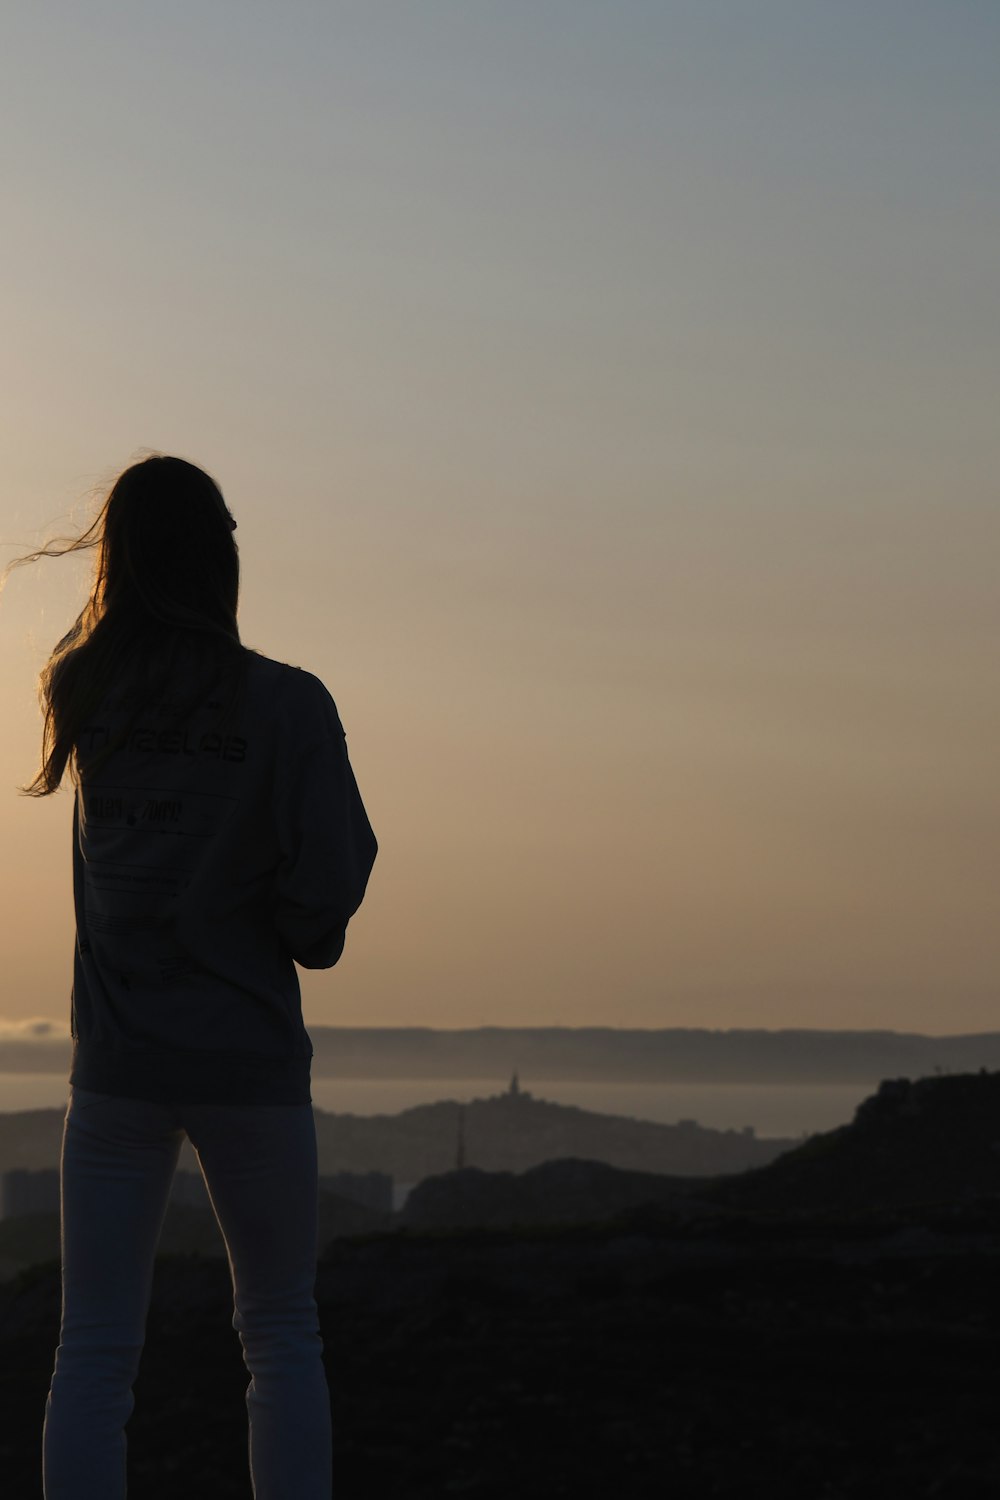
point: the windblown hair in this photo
(161, 615)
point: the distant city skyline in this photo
(606, 399)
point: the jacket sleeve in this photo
(327, 849)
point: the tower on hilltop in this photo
(460, 1143)
(515, 1093)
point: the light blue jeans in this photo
(259, 1163)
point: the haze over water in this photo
(606, 397)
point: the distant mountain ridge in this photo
(674, 1055)
(506, 1132)
(608, 1054)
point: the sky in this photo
(606, 396)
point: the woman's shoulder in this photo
(291, 691)
(282, 676)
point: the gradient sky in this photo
(606, 394)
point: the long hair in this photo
(161, 610)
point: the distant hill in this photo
(926, 1144)
(607, 1053)
(512, 1132)
(503, 1133)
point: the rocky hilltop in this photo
(925, 1141)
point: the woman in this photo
(219, 838)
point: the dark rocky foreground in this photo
(771, 1354)
(826, 1328)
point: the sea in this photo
(788, 1111)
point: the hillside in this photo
(508, 1132)
(797, 1361)
(511, 1132)
(911, 1145)
(928, 1141)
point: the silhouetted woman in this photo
(219, 838)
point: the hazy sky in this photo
(606, 394)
